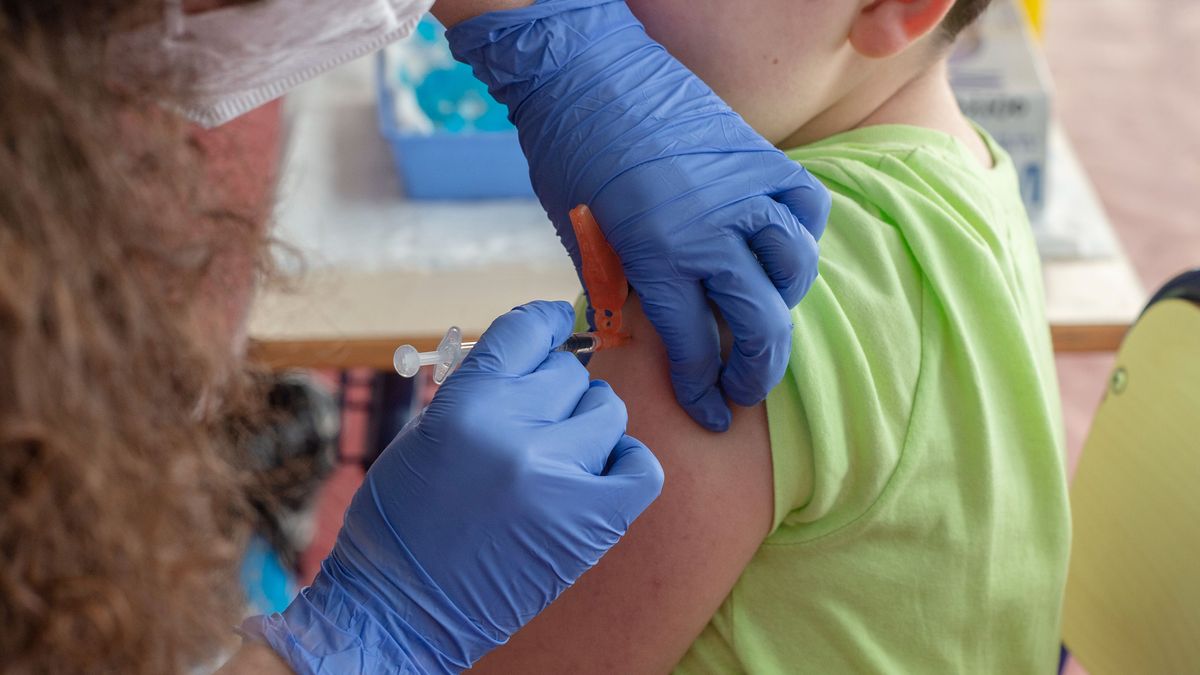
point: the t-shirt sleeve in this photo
(838, 420)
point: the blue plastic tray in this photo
(446, 165)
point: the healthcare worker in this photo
(518, 476)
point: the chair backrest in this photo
(1133, 590)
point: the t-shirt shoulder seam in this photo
(886, 488)
(902, 152)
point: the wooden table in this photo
(379, 271)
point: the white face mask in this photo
(238, 58)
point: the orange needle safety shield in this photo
(603, 278)
(607, 290)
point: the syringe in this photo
(607, 290)
(452, 350)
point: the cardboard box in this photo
(1001, 81)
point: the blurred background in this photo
(1126, 87)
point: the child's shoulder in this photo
(924, 248)
(919, 195)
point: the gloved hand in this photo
(697, 205)
(511, 484)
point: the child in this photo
(898, 504)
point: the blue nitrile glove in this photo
(698, 206)
(512, 483)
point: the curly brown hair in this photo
(123, 513)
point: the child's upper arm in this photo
(645, 602)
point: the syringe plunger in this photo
(408, 360)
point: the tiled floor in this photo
(1127, 77)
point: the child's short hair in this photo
(963, 14)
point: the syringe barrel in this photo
(587, 343)
(581, 343)
(408, 360)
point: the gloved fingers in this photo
(640, 473)
(787, 253)
(519, 341)
(683, 319)
(587, 437)
(809, 202)
(553, 391)
(761, 325)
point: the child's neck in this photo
(923, 100)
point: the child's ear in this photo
(885, 28)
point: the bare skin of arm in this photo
(645, 602)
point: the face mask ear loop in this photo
(173, 19)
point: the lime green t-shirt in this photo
(921, 519)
